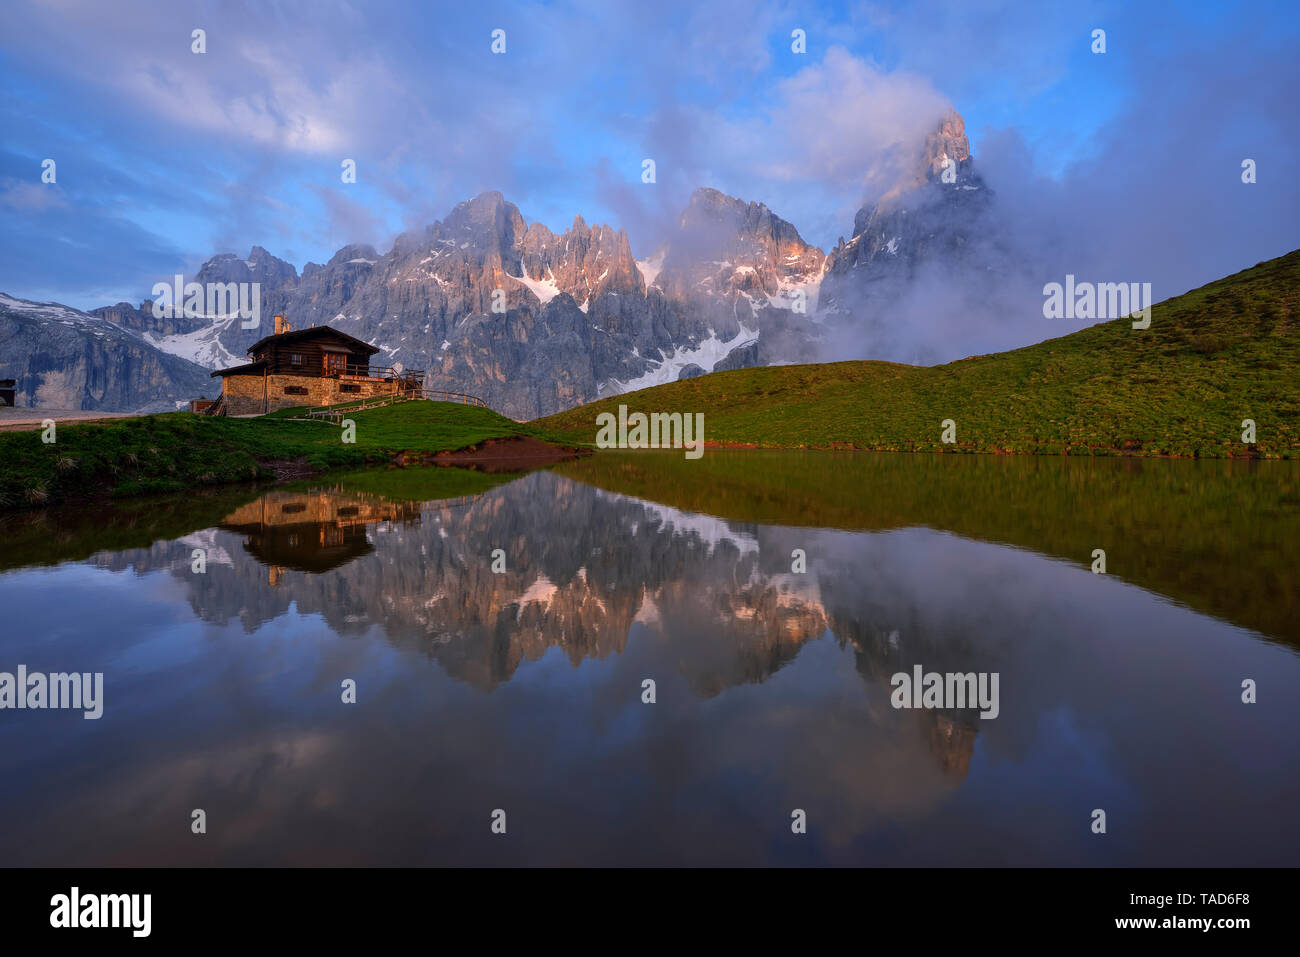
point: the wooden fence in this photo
(336, 414)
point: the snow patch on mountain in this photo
(788, 289)
(708, 353)
(543, 289)
(202, 346)
(55, 312)
(650, 268)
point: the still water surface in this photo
(522, 690)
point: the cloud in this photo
(834, 134)
(31, 197)
(847, 125)
(218, 149)
(347, 220)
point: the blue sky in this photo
(165, 157)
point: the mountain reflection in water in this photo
(522, 689)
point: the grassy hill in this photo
(180, 451)
(1212, 357)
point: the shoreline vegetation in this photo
(1213, 360)
(184, 452)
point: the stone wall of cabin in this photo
(244, 393)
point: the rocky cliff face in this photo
(67, 359)
(534, 321)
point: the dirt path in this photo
(26, 420)
(498, 455)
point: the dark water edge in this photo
(522, 690)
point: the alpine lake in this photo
(635, 658)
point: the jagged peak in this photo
(489, 197)
(489, 214)
(948, 141)
(711, 207)
(708, 197)
(354, 251)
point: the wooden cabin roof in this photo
(250, 368)
(314, 332)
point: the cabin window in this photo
(349, 387)
(335, 363)
(295, 358)
(348, 511)
(295, 390)
(293, 508)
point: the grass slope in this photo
(1211, 358)
(179, 451)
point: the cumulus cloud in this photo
(846, 124)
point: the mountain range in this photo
(577, 317)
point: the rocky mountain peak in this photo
(487, 219)
(727, 247)
(948, 141)
(259, 266)
(930, 218)
(355, 254)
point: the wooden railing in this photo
(435, 395)
(382, 372)
(337, 413)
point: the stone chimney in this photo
(281, 325)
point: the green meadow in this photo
(180, 451)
